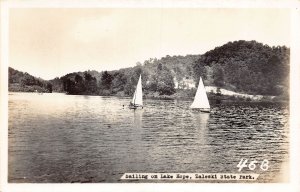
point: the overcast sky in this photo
(48, 43)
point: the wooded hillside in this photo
(24, 82)
(246, 66)
(242, 66)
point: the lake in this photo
(57, 138)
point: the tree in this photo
(163, 82)
(159, 67)
(49, 87)
(78, 79)
(106, 80)
(87, 76)
(199, 68)
(79, 85)
(218, 75)
(68, 85)
(119, 82)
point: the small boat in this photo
(137, 100)
(201, 101)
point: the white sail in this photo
(201, 100)
(138, 94)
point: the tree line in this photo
(242, 66)
(24, 82)
(121, 82)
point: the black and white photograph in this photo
(148, 95)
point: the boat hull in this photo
(134, 107)
(204, 110)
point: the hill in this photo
(245, 67)
(24, 82)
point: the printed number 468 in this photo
(252, 165)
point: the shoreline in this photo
(213, 98)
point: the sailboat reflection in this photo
(201, 121)
(135, 156)
(200, 154)
(137, 119)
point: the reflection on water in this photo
(201, 125)
(64, 138)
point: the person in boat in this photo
(132, 105)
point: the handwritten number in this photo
(242, 164)
(264, 165)
(252, 165)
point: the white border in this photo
(293, 185)
(150, 4)
(4, 97)
(295, 99)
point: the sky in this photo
(51, 42)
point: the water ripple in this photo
(63, 138)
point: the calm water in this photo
(65, 138)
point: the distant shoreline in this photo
(213, 98)
(240, 71)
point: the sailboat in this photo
(201, 101)
(137, 100)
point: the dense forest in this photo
(19, 81)
(158, 78)
(242, 66)
(246, 66)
